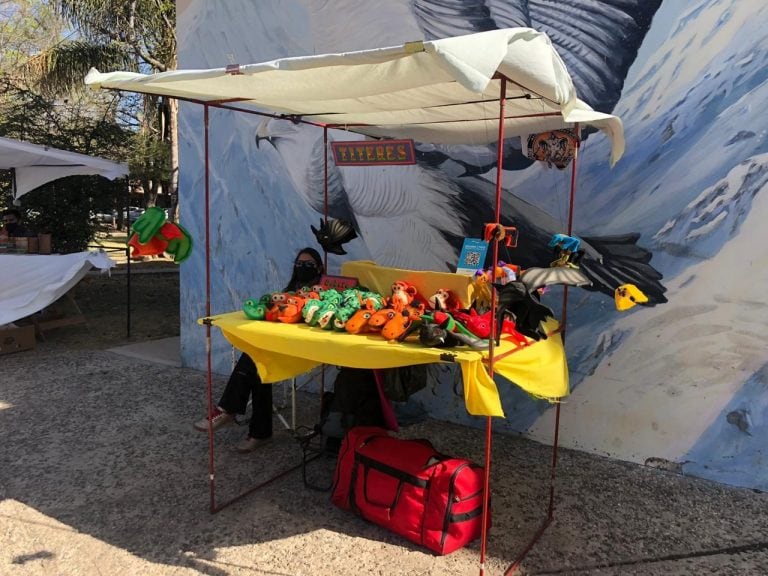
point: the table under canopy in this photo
(282, 351)
(31, 282)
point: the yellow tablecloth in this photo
(283, 351)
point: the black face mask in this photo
(305, 273)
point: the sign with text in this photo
(373, 153)
(339, 283)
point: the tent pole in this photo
(128, 259)
(491, 342)
(325, 253)
(553, 468)
(209, 372)
(571, 205)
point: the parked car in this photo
(133, 213)
(104, 218)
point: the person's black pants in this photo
(244, 382)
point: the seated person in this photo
(244, 382)
(12, 225)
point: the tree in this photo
(134, 35)
(88, 122)
(26, 27)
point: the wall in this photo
(681, 384)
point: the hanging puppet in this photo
(153, 235)
(333, 233)
(555, 147)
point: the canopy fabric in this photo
(36, 165)
(29, 283)
(441, 91)
(281, 351)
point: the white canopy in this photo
(30, 283)
(35, 165)
(442, 91)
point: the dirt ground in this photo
(103, 298)
(101, 473)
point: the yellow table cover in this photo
(282, 351)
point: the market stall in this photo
(473, 89)
(32, 282)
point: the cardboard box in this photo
(16, 339)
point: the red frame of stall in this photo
(214, 506)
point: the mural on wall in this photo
(676, 384)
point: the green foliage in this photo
(63, 209)
(26, 27)
(42, 101)
(149, 158)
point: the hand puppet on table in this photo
(520, 298)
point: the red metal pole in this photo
(564, 319)
(551, 508)
(491, 342)
(325, 214)
(209, 374)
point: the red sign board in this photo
(339, 283)
(373, 152)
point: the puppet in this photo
(403, 294)
(567, 250)
(628, 296)
(401, 321)
(520, 298)
(333, 233)
(444, 299)
(481, 292)
(311, 311)
(480, 325)
(358, 323)
(290, 311)
(555, 147)
(433, 335)
(256, 309)
(380, 317)
(152, 235)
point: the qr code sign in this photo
(472, 259)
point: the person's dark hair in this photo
(295, 283)
(12, 212)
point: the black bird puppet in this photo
(520, 298)
(333, 233)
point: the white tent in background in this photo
(35, 165)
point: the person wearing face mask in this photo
(244, 382)
(12, 226)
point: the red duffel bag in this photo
(410, 488)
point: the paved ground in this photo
(101, 473)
